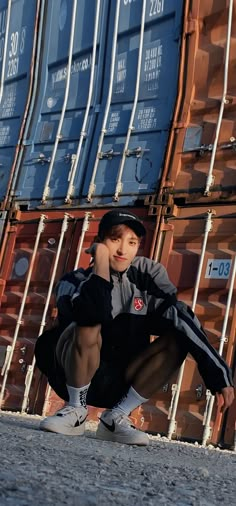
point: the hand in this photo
(99, 259)
(97, 248)
(225, 398)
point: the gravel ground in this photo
(41, 468)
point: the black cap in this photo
(121, 217)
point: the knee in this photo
(175, 348)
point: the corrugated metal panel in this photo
(26, 273)
(197, 246)
(201, 165)
(37, 250)
(123, 142)
(203, 277)
(130, 155)
(17, 24)
(63, 114)
(199, 260)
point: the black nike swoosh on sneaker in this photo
(79, 422)
(111, 427)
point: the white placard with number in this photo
(218, 269)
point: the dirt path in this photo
(41, 468)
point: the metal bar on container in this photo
(30, 370)
(176, 388)
(85, 228)
(33, 95)
(119, 185)
(208, 413)
(92, 185)
(33, 82)
(5, 49)
(83, 132)
(41, 226)
(46, 189)
(210, 177)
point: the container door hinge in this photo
(180, 124)
(164, 198)
(170, 211)
(191, 26)
(199, 391)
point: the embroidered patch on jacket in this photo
(138, 303)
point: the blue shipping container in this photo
(17, 28)
(106, 91)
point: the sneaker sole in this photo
(140, 439)
(67, 431)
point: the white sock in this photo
(77, 396)
(129, 402)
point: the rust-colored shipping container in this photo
(200, 160)
(197, 245)
(37, 250)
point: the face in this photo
(123, 244)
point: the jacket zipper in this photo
(121, 289)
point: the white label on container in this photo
(143, 186)
(218, 269)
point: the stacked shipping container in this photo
(116, 112)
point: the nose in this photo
(121, 248)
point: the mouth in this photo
(119, 259)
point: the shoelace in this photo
(124, 420)
(65, 411)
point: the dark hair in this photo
(113, 232)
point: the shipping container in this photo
(200, 160)
(18, 30)
(37, 250)
(197, 246)
(99, 122)
(118, 103)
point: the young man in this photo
(104, 356)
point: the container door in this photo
(25, 287)
(17, 27)
(181, 242)
(137, 119)
(62, 96)
(203, 162)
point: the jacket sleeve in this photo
(212, 367)
(65, 289)
(191, 337)
(92, 304)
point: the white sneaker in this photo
(114, 426)
(68, 420)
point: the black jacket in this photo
(139, 302)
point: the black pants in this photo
(108, 384)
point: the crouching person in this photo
(104, 357)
